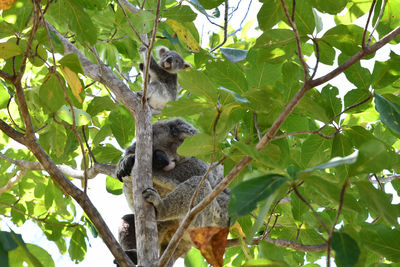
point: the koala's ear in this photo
(161, 50)
(181, 129)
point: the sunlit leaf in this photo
(388, 107)
(382, 240)
(9, 49)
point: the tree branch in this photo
(225, 28)
(13, 181)
(92, 172)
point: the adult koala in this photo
(175, 179)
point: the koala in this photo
(175, 179)
(163, 80)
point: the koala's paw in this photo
(151, 195)
(125, 166)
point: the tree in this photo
(306, 161)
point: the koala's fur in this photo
(163, 85)
(174, 188)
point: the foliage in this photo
(317, 174)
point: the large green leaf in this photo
(245, 196)
(379, 202)
(342, 147)
(9, 49)
(81, 117)
(357, 75)
(346, 249)
(331, 93)
(275, 38)
(329, 6)
(388, 107)
(387, 72)
(227, 74)
(77, 247)
(383, 240)
(355, 96)
(18, 15)
(270, 14)
(373, 157)
(260, 74)
(343, 37)
(198, 84)
(79, 21)
(7, 241)
(51, 93)
(315, 150)
(180, 13)
(99, 104)
(195, 259)
(113, 186)
(210, 4)
(72, 61)
(122, 125)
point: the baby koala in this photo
(163, 80)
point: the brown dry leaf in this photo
(211, 241)
(236, 229)
(73, 81)
(6, 4)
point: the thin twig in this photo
(130, 23)
(315, 41)
(377, 22)
(225, 28)
(367, 23)
(149, 50)
(297, 36)
(312, 209)
(256, 126)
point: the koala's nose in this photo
(169, 59)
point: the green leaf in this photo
(107, 153)
(144, 21)
(355, 96)
(342, 147)
(331, 93)
(379, 202)
(180, 13)
(337, 161)
(195, 259)
(197, 83)
(270, 14)
(382, 240)
(346, 248)
(299, 208)
(18, 15)
(99, 104)
(210, 4)
(251, 150)
(227, 74)
(72, 62)
(81, 117)
(79, 22)
(122, 125)
(7, 241)
(233, 55)
(344, 38)
(264, 263)
(326, 53)
(51, 93)
(57, 139)
(113, 186)
(275, 38)
(304, 17)
(259, 74)
(357, 75)
(30, 253)
(373, 157)
(200, 144)
(329, 6)
(245, 196)
(385, 73)
(315, 150)
(77, 248)
(9, 49)
(388, 107)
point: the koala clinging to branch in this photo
(175, 179)
(163, 80)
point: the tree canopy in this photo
(307, 162)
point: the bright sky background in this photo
(113, 207)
